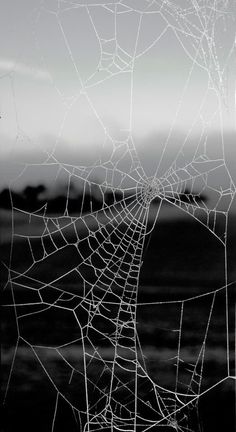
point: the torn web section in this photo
(179, 185)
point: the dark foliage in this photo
(31, 199)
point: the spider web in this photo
(107, 384)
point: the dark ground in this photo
(182, 260)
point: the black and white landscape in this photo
(117, 208)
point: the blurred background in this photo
(96, 98)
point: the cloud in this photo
(8, 66)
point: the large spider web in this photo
(107, 383)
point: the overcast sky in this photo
(77, 76)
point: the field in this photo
(183, 270)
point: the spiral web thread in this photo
(103, 248)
